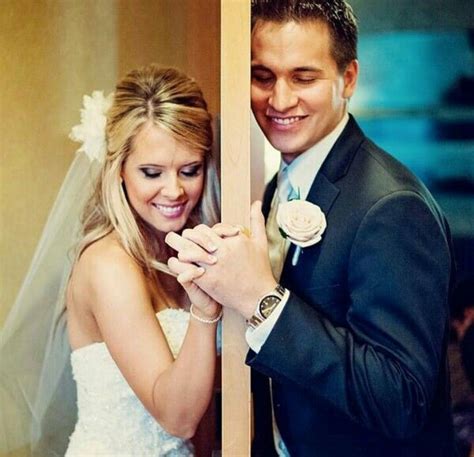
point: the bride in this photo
(142, 344)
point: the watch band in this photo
(272, 300)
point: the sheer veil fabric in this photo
(37, 391)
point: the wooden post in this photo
(235, 168)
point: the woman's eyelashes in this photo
(193, 170)
(188, 171)
(150, 172)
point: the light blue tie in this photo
(286, 191)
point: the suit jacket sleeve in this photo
(381, 368)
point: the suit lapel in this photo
(323, 193)
(324, 190)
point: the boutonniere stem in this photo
(296, 256)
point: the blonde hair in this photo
(169, 99)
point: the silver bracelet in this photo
(205, 321)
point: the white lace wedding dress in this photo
(111, 419)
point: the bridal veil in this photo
(37, 391)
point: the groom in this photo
(352, 332)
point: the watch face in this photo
(268, 304)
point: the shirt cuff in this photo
(256, 337)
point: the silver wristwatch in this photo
(266, 306)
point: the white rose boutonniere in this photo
(302, 223)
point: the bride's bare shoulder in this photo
(105, 259)
(108, 246)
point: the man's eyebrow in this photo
(308, 69)
(259, 67)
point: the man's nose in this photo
(173, 188)
(282, 97)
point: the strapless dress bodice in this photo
(111, 419)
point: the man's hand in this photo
(237, 269)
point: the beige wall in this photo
(180, 33)
(51, 53)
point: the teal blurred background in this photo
(415, 98)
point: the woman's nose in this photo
(172, 188)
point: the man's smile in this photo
(286, 120)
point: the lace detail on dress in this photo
(111, 419)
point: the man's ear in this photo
(350, 78)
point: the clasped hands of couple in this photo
(223, 265)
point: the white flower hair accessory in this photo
(302, 223)
(91, 131)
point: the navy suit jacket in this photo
(358, 356)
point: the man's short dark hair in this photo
(337, 14)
